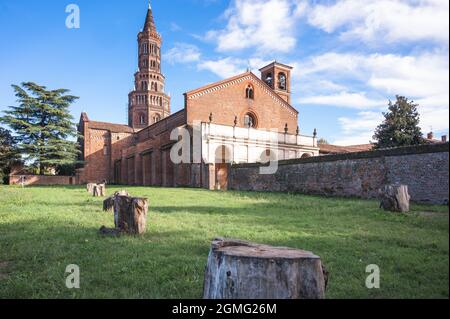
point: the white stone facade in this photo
(248, 145)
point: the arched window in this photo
(249, 92)
(156, 118)
(250, 120)
(269, 79)
(282, 85)
(145, 48)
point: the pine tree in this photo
(43, 125)
(400, 126)
(9, 154)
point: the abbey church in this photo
(242, 119)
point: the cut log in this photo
(99, 190)
(132, 214)
(243, 270)
(395, 198)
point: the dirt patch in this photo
(4, 266)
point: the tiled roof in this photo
(337, 149)
(116, 128)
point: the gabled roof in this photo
(112, 127)
(236, 79)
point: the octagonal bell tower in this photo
(148, 103)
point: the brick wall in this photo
(42, 180)
(229, 101)
(423, 168)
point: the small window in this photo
(269, 79)
(249, 92)
(282, 81)
(249, 120)
(105, 150)
(142, 119)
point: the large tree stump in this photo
(395, 198)
(243, 270)
(130, 214)
(99, 190)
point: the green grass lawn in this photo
(43, 229)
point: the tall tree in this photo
(8, 153)
(43, 125)
(400, 126)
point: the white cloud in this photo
(182, 53)
(384, 20)
(367, 120)
(224, 68)
(344, 99)
(423, 77)
(227, 67)
(257, 24)
(359, 129)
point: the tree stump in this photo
(395, 198)
(108, 204)
(130, 215)
(99, 190)
(243, 270)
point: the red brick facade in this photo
(139, 154)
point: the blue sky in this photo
(349, 56)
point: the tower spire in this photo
(148, 103)
(149, 20)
